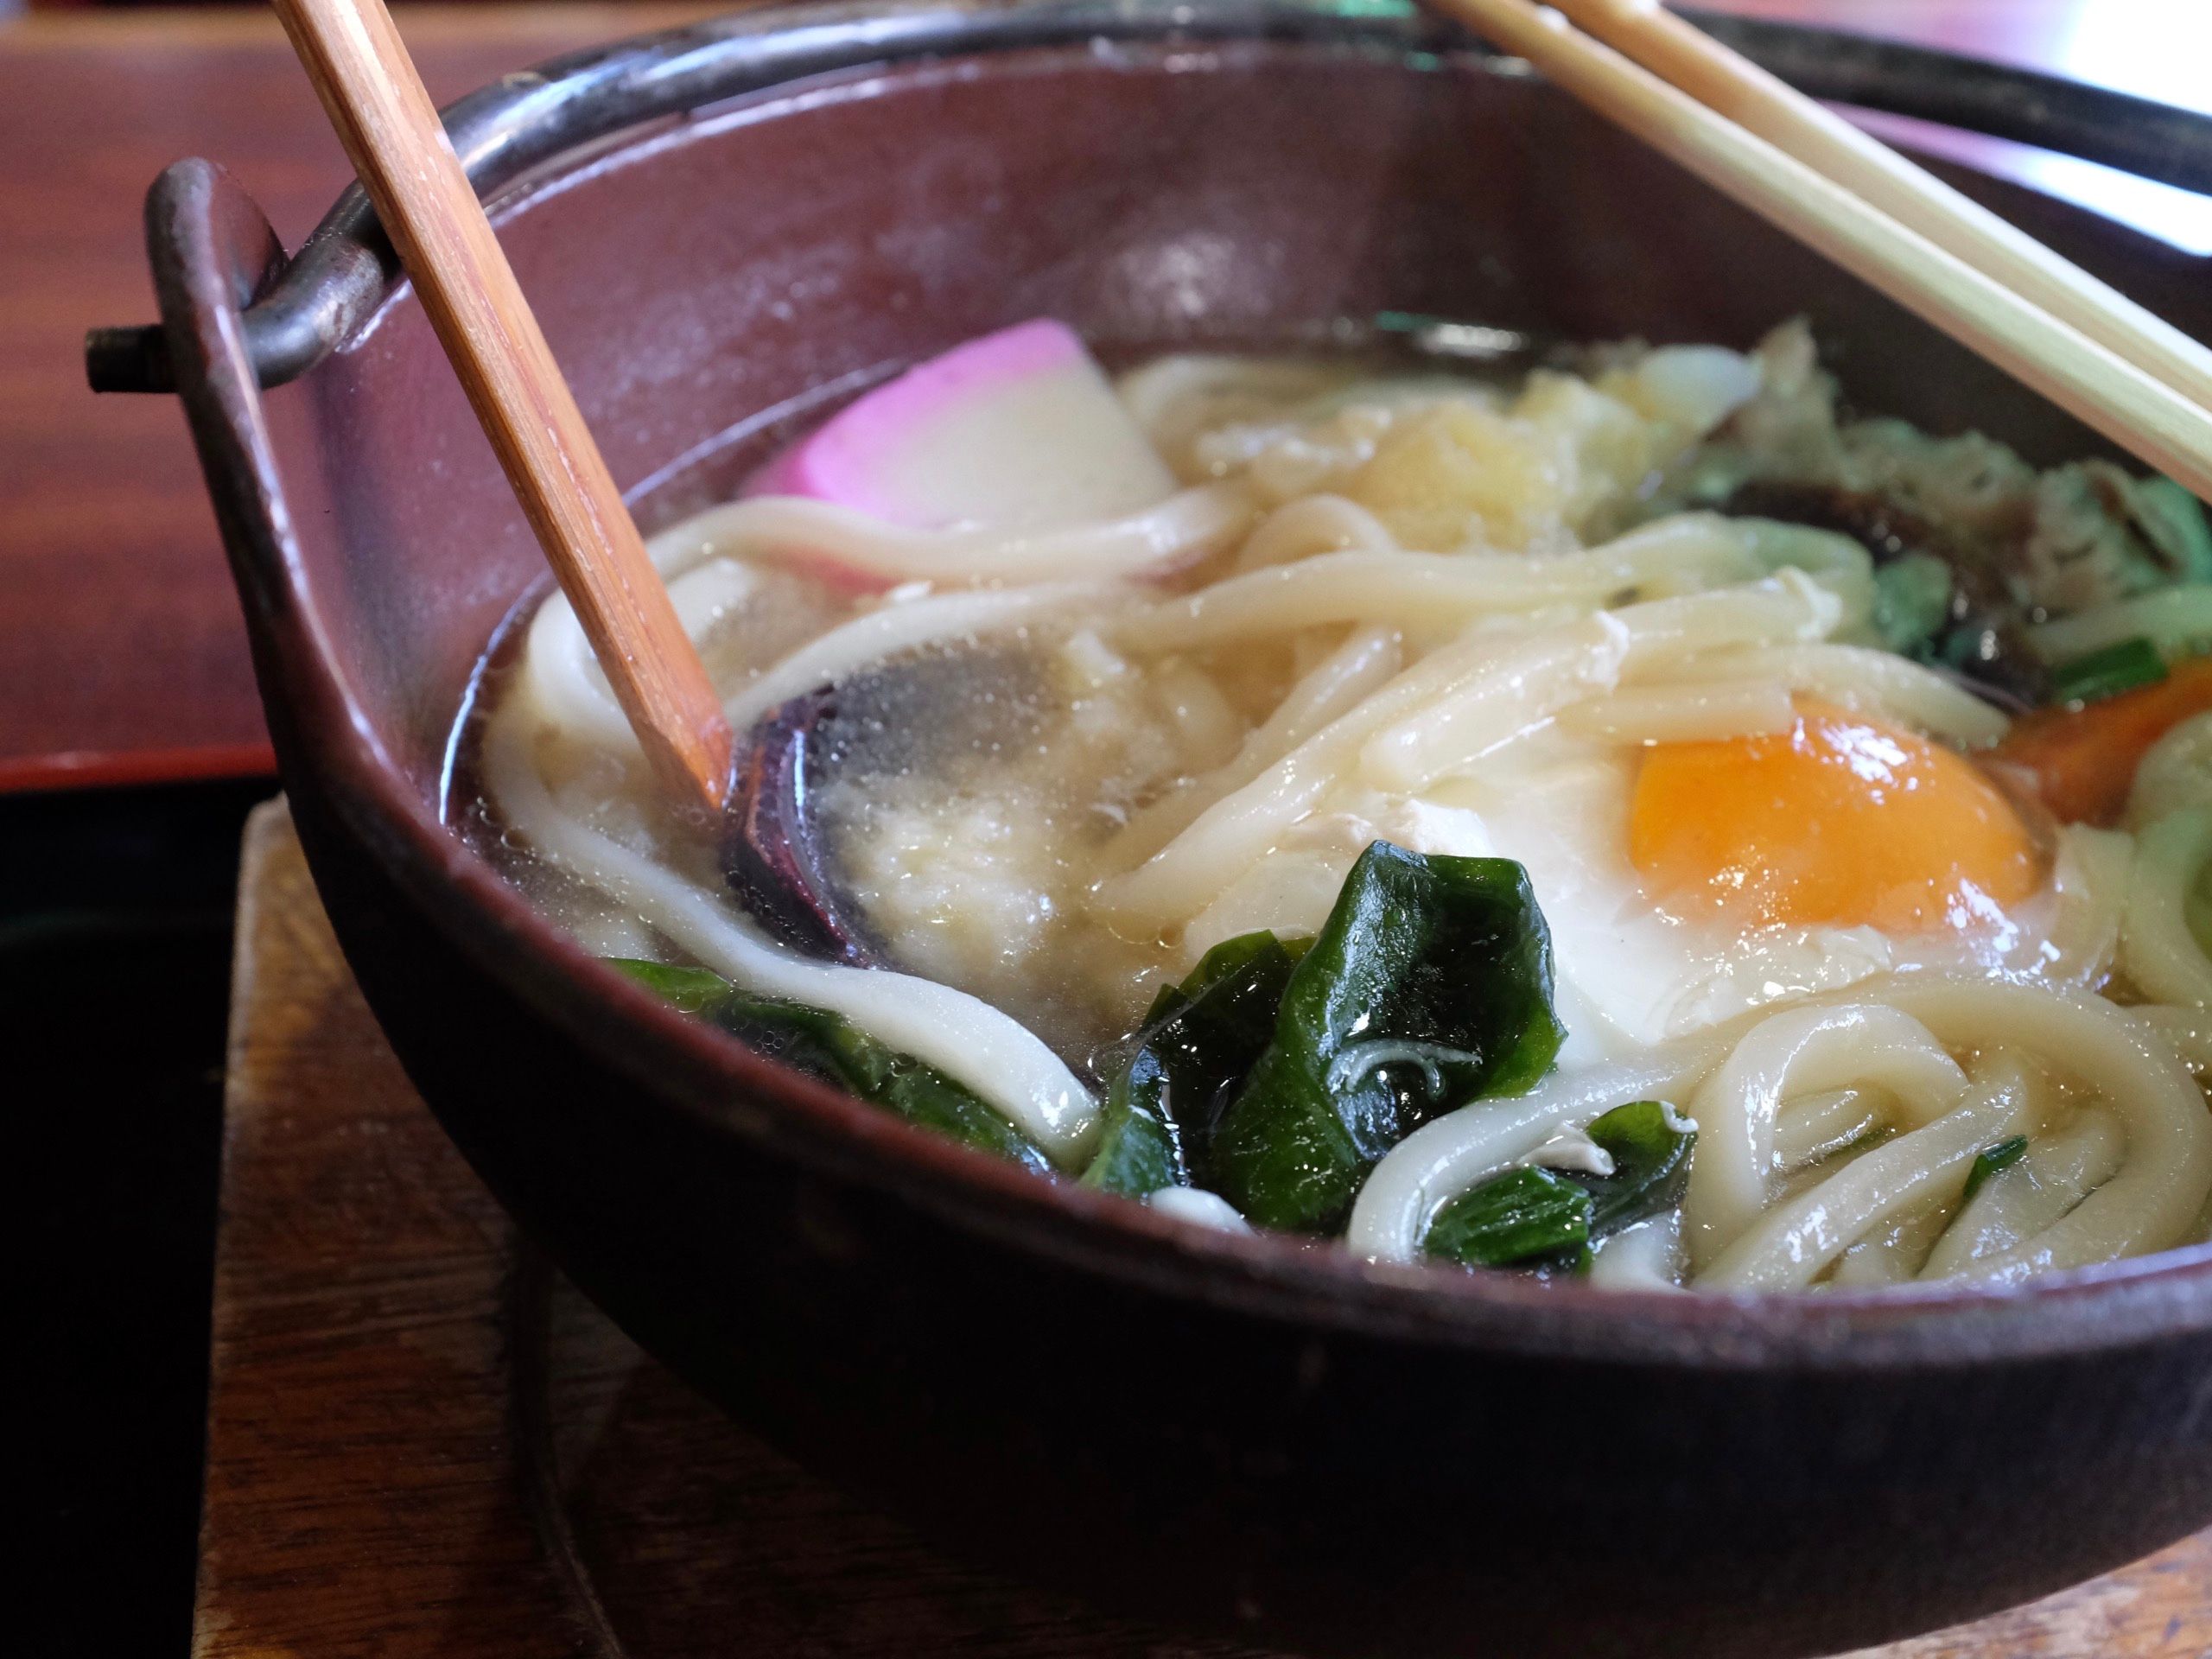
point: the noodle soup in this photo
(1626, 816)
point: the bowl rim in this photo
(316, 299)
(205, 271)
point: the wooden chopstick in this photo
(397, 145)
(1728, 82)
(2140, 412)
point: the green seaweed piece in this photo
(1651, 1145)
(1199, 1039)
(1527, 1217)
(831, 1047)
(1430, 986)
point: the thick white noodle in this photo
(1524, 684)
(1176, 399)
(1446, 1156)
(1444, 591)
(564, 677)
(1863, 680)
(1186, 527)
(2170, 618)
(1811, 1126)
(962, 1035)
(1192, 702)
(902, 625)
(2158, 950)
(2089, 884)
(1894, 1251)
(1790, 1245)
(1562, 666)
(2154, 1199)
(1646, 1256)
(1312, 525)
(1288, 890)
(1784, 608)
(1199, 1207)
(1237, 828)
(2175, 773)
(1368, 657)
(2016, 1204)
(1835, 560)
(1703, 712)
(560, 675)
(1446, 710)
(1799, 1051)
(2187, 1031)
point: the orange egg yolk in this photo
(1840, 820)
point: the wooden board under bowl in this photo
(421, 1441)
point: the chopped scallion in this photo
(2106, 672)
(1991, 1159)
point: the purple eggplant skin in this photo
(772, 850)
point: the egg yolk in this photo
(1840, 820)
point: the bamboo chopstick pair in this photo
(2139, 381)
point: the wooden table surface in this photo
(424, 1444)
(121, 653)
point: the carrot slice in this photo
(2083, 760)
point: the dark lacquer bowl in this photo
(1232, 1432)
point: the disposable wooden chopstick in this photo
(1731, 84)
(2136, 411)
(393, 135)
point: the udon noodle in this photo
(1857, 970)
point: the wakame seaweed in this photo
(834, 1049)
(1278, 1072)
(1199, 1040)
(1548, 1218)
(1527, 1217)
(1650, 1146)
(1430, 986)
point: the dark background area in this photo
(115, 951)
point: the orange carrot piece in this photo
(2083, 760)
